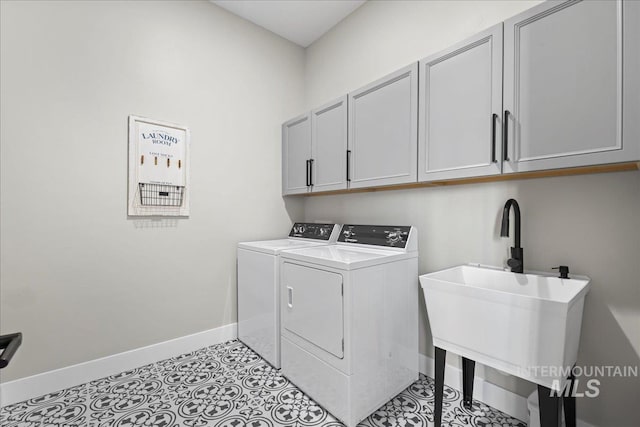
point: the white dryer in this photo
(258, 290)
(349, 317)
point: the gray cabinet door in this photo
(296, 153)
(383, 130)
(631, 78)
(563, 86)
(461, 109)
(329, 146)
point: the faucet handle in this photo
(564, 271)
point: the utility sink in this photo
(527, 325)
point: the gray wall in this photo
(79, 278)
(591, 222)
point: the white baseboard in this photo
(48, 382)
(504, 400)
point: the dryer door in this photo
(313, 307)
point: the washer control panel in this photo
(393, 236)
(307, 230)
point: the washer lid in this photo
(274, 247)
(345, 257)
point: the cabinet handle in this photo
(307, 172)
(494, 118)
(348, 161)
(505, 137)
(289, 296)
(311, 172)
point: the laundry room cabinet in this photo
(329, 146)
(567, 90)
(555, 87)
(461, 109)
(314, 150)
(296, 153)
(383, 130)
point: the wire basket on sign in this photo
(160, 195)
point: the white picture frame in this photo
(158, 183)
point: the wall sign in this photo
(158, 168)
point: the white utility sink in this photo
(526, 325)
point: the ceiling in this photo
(300, 21)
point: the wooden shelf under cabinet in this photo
(617, 167)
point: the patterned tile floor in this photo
(225, 385)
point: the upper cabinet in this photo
(461, 109)
(383, 131)
(314, 150)
(563, 86)
(329, 146)
(296, 155)
(631, 78)
(555, 87)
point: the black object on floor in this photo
(9, 345)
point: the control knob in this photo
(394, 237)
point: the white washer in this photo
(258, 290)
(349, 316)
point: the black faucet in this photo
(516, 262)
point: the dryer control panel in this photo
(312, 230)
(392, 236)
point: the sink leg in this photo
(441, 356)
(569, 403)
(468, 368)
(549, 407)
